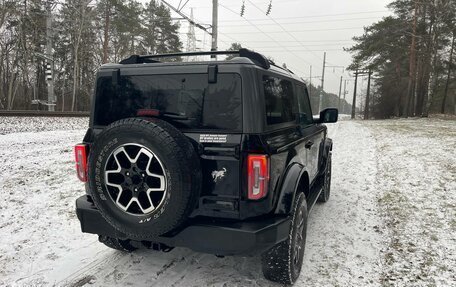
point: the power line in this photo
(311, 45)
(286, 31)
(267, 35)
(281, 18)
(305, 16)
(305, 50)
(303, 31)
(311, 16)
(309, 22)
(187, 18)
(293, 41)
(258, 2)
(247, 46)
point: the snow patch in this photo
(390, 219)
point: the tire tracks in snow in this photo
(343, 244)
(180, 267)
(116, 267)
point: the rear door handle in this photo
(309, 144)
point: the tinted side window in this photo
(280, 100)
(305, 111)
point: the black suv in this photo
(222, 157)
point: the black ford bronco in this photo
(222, 157)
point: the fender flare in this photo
(327, 148)
(289, 188)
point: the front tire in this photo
(283, 262)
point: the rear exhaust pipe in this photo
(157, 246)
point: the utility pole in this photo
(214, 27)
(345, 93)
(323, 79)
(340, 90)
(354, 96)
(323, 74)
(322, 83)
(310, 83)
(357, 73)
(345, 88)
(49, 63)
(366, 108)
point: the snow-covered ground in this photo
(391, 220)
(40, 124)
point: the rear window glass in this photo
(280, 99)
(188, 101)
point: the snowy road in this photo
(391, 220)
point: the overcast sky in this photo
(297, 32)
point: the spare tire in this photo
(144, 176)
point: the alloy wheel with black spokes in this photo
(135, 179)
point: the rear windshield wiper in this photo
(173, 116)
(157, 113)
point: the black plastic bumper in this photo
(246, 237)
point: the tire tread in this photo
(177, 144)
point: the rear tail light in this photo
(80, 153)
(258, 176)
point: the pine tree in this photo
(233, 47)
(409, 53)
(161, 36)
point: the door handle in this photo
(309, 144)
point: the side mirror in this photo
(329, 115)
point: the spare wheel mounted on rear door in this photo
(144, 176)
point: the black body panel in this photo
(225, 221)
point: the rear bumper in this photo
(245, 238)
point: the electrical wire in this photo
(303, 31)
(308, 22)
(278, 24)
(267, 35)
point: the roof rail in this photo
(257, 58)
(280, 67)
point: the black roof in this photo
(257, 58)
(245, 56)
